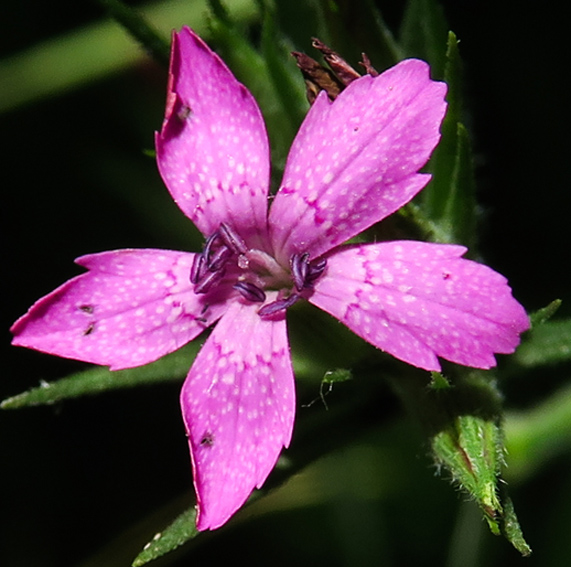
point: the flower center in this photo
(226, 256)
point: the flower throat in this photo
(226, 254)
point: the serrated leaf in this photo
(463, 426)
(512, 530)
(471, 449)
(439, 382)
(180, 531)
(100, 379)
(548, 343)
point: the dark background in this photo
(77, 475)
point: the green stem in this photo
(533, 437)
(93, 52)
(153, 42)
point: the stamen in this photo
(197, 268)
(277, 306)
(315, 269)
(299, 266)
(305, 273)
(207, 250)
(219, 258)
(250, 291)
(208, 280)
(232, 239)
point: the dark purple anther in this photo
(232, 239)
(207, 250)
(251, 292)
(304, 272)
(208, 280)
(299, 265)
(197, 268)
(315, 269)
(219, 258)
(277, 306)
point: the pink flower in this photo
(354, 162)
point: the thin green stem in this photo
(149, 37)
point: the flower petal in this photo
(355, 161)
(418, 300)
(212, 151)
(131, 308)
(238, 405)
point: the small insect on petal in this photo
(207, 440)
(184, 112)
(251, 292)
(89, 329)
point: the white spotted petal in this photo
(419, 301)
(355, 161)
(130, 308)
(238, 404)
(212, 150)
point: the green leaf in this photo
(512, 530)
(373, 36)
(471, 449)
(460, 211)
(545, 313)
(463, 426)
(449, 199)
(283, 71)
(439, 382)
(180, 531)
(384, 35)
(549, 343)
(172, 367)
(423, 33)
